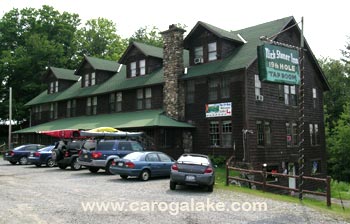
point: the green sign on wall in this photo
(278, 64)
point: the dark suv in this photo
(104, 154)
(66, 153)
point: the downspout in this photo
(245, 117)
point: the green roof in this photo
(245, 54)
(241, 58)
(62, 73)
(147, 50)
(138, 119)
(101, 64)
(217, 31)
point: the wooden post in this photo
(264, 179)
(227, 174)
(328, 183)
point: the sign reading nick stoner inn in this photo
(278, 64)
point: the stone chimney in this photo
(173, 66)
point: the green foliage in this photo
(219, 161)
(99, 38)
(340, 190)
(339, 147)
(148, 35)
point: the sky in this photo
(326, 25)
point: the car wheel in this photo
(124, 177)
(38, 165)
(23, 160)
(210, 188)
(75, 165)
(13, 163)
(94, 169)
(50, 163)
(145, 175)
(108, 166)
(172, 185)
(62, 166)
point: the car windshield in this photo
(191, 159)
(46, 149)
(136, 156)
(19, 148)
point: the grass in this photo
(335, 209)
(340, 190)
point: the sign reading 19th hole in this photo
(278, 64)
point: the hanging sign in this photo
(278, 64)
(218, 109)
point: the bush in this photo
(219, 161)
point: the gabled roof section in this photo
(61, 73)
(99, 64)
(245, 54)
(224, 34)
(147, 50)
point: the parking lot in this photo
(49, 195)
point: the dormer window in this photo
(133, 69)
(89, 79)
(53, 87)
(198, 55)
(137, 68)
(212, 53)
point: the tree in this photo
(339, 147)
(334, 100)
(31, 40)
(99, 38)
(146, 35)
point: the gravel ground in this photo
(49, 195)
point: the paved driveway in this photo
(49, 195)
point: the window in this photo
(139, 96)
(164, 158)
(314, 135)
(213, 89)
(257, 86)
(86, 80)
(119, 97)
(71, 105)
(212, 54)
(112, 102)
(263, 133)
(227, 133)
(225, 87)
(91, 105)
(142, 67)
(314, 97)
(290, 97)
(53, 111)
(152, 157)
(93, 78)
(315, 167)
(51, 87)
(292, 134)
(37, 112)
(133, 69)
(190, 90)
(124, 146)
(56, 86)
(220, 133)
(144, 99)
(166, 138)
(214, 133)
(148, 98)
(88, 106)
(198, 54)
(94, 105)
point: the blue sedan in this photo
(42, 156)
(143, 165)
(20, 154)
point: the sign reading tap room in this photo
(278, 64)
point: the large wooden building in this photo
(201, 93)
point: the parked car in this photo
(192, 169)
(20, 154)
(143, 165)
(66, 153)
(42, 156)
(104, 154)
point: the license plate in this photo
(190, 178)
(120, 164)
(85, 156)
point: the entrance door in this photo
(291, 171)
